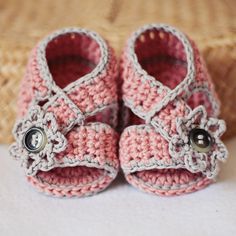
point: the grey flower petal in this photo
(19, 129)
(195, 163)
(176, 147)
(49, 118)
(216, 127)
(212, 171)
(49, 162)
(60, 143)
(31, 164)
(221, 152)
(35, 113)
(16, 151)
(199, 111)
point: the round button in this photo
(35, 140)
(200, 140)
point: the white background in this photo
(120, 210)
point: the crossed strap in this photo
(146, 96)
(84, 97)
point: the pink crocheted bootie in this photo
(65, 134)
(172, 143)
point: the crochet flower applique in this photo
(38, 140)
(198, 142)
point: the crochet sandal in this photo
(65, 136)
(172, 145)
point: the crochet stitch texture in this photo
(168, 92)
(70, 92)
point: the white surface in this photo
(120, 210)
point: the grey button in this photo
(35, 140)
(200, 140)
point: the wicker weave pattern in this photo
(211, 23)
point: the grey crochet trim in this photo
(203, 87)
(173, 186)
(152, 164)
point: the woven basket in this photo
(211, 23)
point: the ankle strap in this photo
(145, 95)
(82, 98)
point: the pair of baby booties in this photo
(74, 96)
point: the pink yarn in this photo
(70, 82)
(144, 152)
(92, 145)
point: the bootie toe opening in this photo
(162, 56)
(168, 181)
(72, 56)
